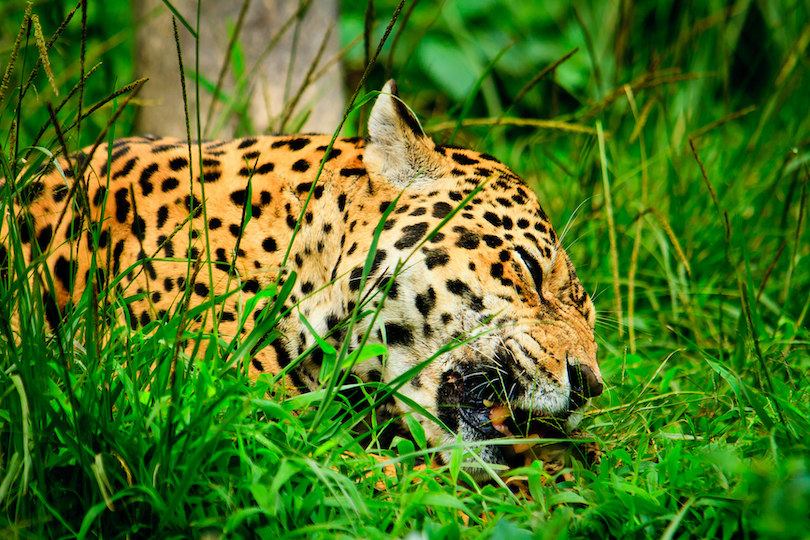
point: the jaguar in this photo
(442, 255)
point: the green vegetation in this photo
(672, 148)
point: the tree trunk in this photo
(258, 86)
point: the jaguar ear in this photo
(398, 149)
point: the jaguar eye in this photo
(533, 266)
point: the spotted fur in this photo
(493, 286)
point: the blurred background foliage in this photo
(701, 283)
(109, 45)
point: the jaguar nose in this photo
(584, 381)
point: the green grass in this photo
(703, 293)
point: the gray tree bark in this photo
(265, 88)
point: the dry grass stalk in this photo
(82, 55)
(672, 238)
(43, 52)
(614, 252)
(58, 108)
(641, 119)
(717, 123)
(648, 80)
(770, 268)
(631, 274)
(14, 52)
(720, 211)
(48, 46)
(534, 122)
(803, 200)
(402, 28)
(796, 52)
(131, 87)
(240, 21)
(533, 82)
(308, 79)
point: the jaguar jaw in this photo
(493, 421)
(475, 408)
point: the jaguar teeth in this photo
(488, 403)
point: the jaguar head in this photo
(485, 300)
